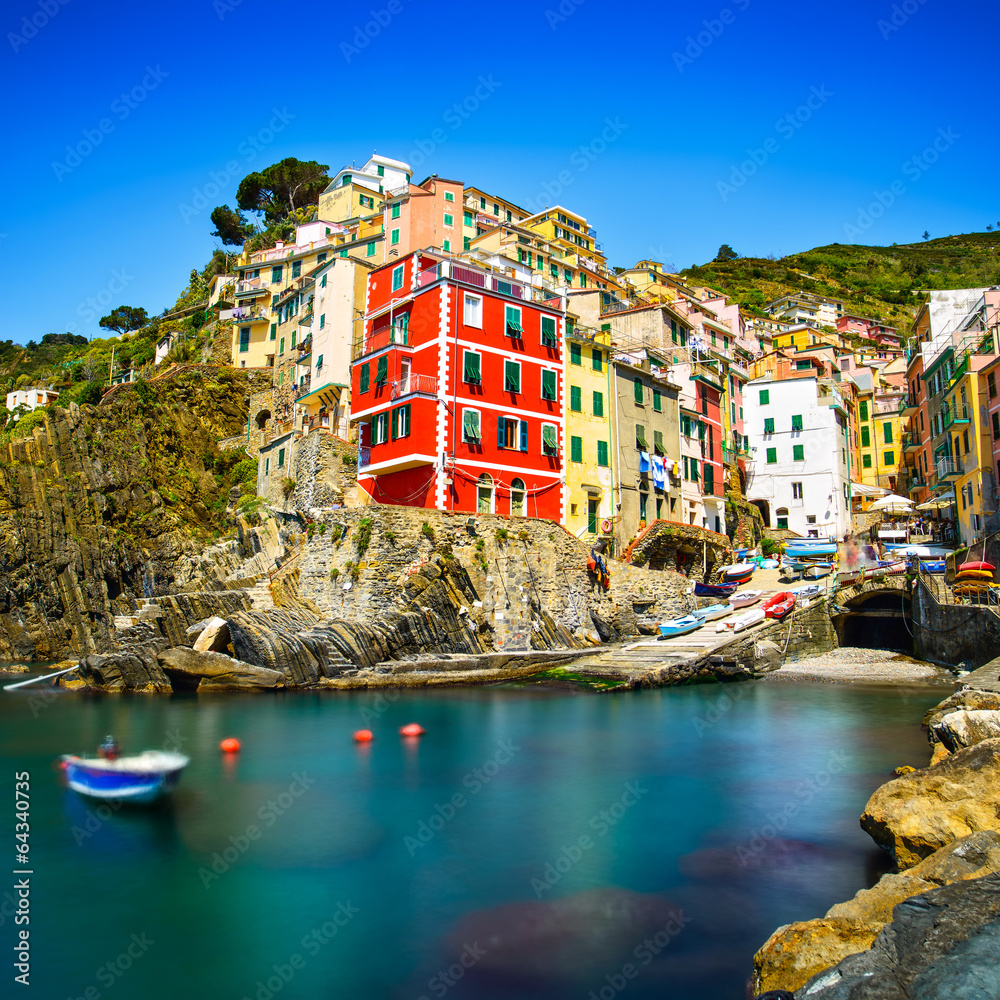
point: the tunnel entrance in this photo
(881, 622)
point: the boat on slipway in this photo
(714, 611)
(680, 626)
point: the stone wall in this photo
(950, 633)
(744, 521)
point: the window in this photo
(802, 366)
(512, 376)
(370, 250)
(549, 445)
(598, 404)
(397, 276)
(548, 331)
(395, 212)
(512, 321)
(658, 442)
(496, 208)
(394, 237)
(466, 242)
(267, 466)
(548, 384)
(866, 437)
(575, 354)
(637, 391)
(473, 311)
(798, 452)
(365, 201)
(471, 430)
(657, 401)
(673, 330)
(863, 409)
(275, 275)
(512, 433)
(517, 494)
(281, 458)
(449, 196)
(643, 502)
(274, 330)
(769, 425)
(401, 422)
(281, 346)
(576, 449)
(576, 403)
(783, 522)
(866, 461)
(640, 437)
(245, 338)
(363, 376)
(796, 491)
(322, 282)
(343, 253)
(709, 478)
(889, 458)
(597, 361)
(991, 384)
(380, 428)
(887, 432)
(996, 425)
(296, 268)
(319, 362)
(765, 397)
(772, 456)
(449, 220)
(382, 371)
(471, 367)
(602, 454)
(322, 320)
(797, 422)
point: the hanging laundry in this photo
(659, 472)
(644, 461)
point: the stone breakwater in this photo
(932, 928)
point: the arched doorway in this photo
(262, 418)
(517, 493)
(765, 511)
(781, 517)
(484, 493)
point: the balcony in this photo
(739, 371)
(950, 468)
(304, 387)
(706, 372)
(908, 405)
(252, 287)
(910, 442)
(392, 336)
(385, 462)
(956, 415)
(248, 314)
(425, 385)
(364, 458)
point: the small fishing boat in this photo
(932, 565)
(749, 618)
(815, 571)
(714, 589)
(680, 626)
(737, 572)
(142, 778)
(808, 591)
(714, 611)
(797, 550)
(779, 605)
(745, 598)
(763, 563)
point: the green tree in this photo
(231, 226)
(726, 252)
(124, 319)
(277, 190)
(927, 235)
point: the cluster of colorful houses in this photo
(485, 358)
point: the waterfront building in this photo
(457, 390)
(879, 431)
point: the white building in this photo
(31, 398)
(811, 310)
(797, 429)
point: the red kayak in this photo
(989, 567)
(779, 605)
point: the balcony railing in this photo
(248, 316)
(387, 337)
(739, 370)
(947, 467)
(304, 386)
(910, 442)
(364, 458)
(252, 286)
(415, 383)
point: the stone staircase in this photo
(260, 594)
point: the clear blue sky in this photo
(640, 118)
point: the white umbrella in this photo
(936, 503)
(893, 504)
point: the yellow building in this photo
(649, 278)
(961, 418)
(359, 192)
(589, 403)
(802, 336)
(482, 212)
(881, 442)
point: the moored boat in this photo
(142, 778)
(714, 611)
(737, 572)
(779, 605)
(680, 626)
(745, 598)
(808, 591)
(815, 571)
(799, 551)
(746, 620)
(714, 589)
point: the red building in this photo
(457, 387)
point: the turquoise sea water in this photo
(531, 844)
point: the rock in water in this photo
(940, 945)
(190, 669)
(919, 813)
(961, 729)
(214, 636)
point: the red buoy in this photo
(363, 736)
(413, 729)
(230, 745)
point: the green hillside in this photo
(886, 283)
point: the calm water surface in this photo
(561, 845)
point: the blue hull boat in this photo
(142, 778)
(796, 551)
(714, 611)
(680, 626)
(714, 589)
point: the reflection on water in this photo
(530, 844)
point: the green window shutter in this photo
(281, 346)
(512, 317)
(297, 269)
(548, 331)
(866, 437)
(281, 457)
(765, 397)
(658, 442)
(798, 452)
(363, 378)
(575, 403)
(890, 459)
(511, 376)
(275, 275)
(797, 422)
(281, 378)
(866, 461)
(554, 270)
(370, 250)
(701, 430)
(394, 237)
(863, 409)
(467, 218)
(694, 470)
(524, 435)
(768, 425)
(449, 220)
(597, 362)
(640, 437)
(470, 425)
(772, 456)
(709, 478)
(574, 354)
(637, 390)
(343, 253)
(397, 277)
(887, 432)
(395, 211)
(549, 439)
(599, 405)
(245, 338)
(382, 373)
(602, 454)
(548, 384)
(657, 401)
(274, 330)
(472, 370)
(395, 424)
(576, 449)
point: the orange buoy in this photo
(230, 745)
(413, 729)
(363, 736)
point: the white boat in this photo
(738, 571)
(143, 777)
(744, 598)
(808, 591)
(680, 626)
(936, 551)
(748, 619)
(715, 611)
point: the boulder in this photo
(917, 814)
(203, 670)
(137, 670)
(797, 952)
(965, 728)
(969, 698)
(213, 637)
(940, 944)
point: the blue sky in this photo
(767, 125)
